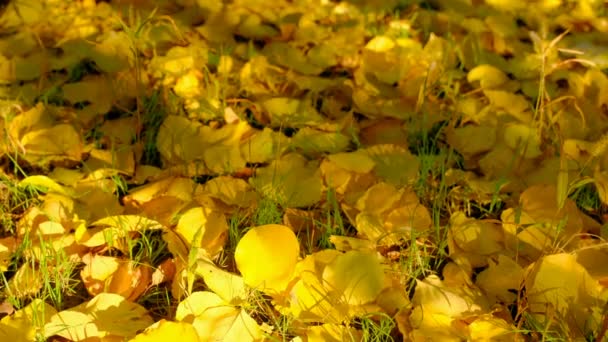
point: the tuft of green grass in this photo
(259, 306)
(267, 212)
(154, 113)
(377, 327)
(159, 301)
(432, 190)
(149, 248)
(587, 198)
(14, 201)
(333, 224)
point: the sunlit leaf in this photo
(214, 319)
(167, 330)
(28, 323)
(203, 227)
(274, 246)
(106, 315)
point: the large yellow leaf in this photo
(274, 246)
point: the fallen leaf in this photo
(274, 246)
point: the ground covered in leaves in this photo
(306, 170)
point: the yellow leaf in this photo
(128, 223)
(313, 142)
(26, 324)
(490, 328)
(475, 236)
(394, 164)
(188, 85)
(500, 279)
(45, 184)
(203, 227)
(333, 333)
(113, 54)
(122, 160)
(437, 306)
(471, 139)
(291, 111)
(523, 138)
(287, 55)
(378, 198)
(59, 142)
(232, 191)
(311, 300)
(113, 275)
(264, 146)
(166, 331)
(371, 227)
(291, 181)
(274, 246)
(514, 104)
(560, 284)
(489, 76)
(26, 281)
(181, 140)
(380, 44)
(97, 90)
(215, 320)
(8, 245)
(223, 158)
(106, 315)
(508, 5)
(230, 287)
(353, 161)
(357, 276)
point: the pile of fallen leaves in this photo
(306, 170)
